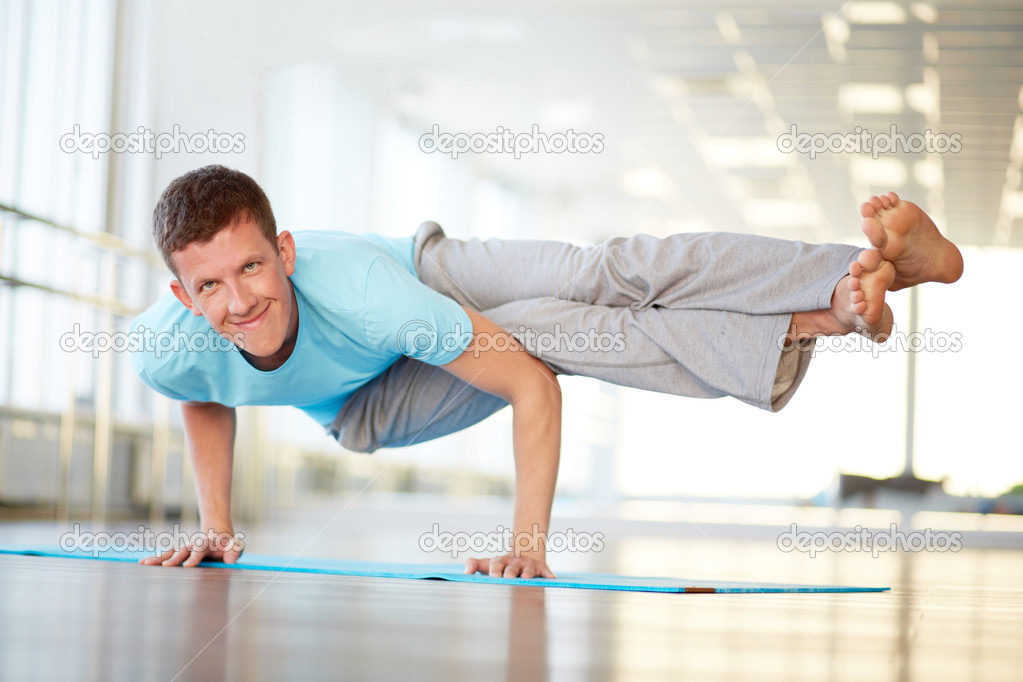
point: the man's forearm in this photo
(536, 430)
(210, 428)
(495, 362)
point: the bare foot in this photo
(857, 304)
(870, 277)
(910, 240)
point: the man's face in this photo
(241, 287)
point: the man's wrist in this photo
(216, 525)
(529, 543)
(538, 556)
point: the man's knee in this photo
(412, 402)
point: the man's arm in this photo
(496, 363)
(210, 429)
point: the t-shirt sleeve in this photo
(146, 358)
(140, 370)
(406, 316)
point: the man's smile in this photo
(253, 322)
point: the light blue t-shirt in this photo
(361, 306)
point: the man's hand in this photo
(510, 566)
(214, 546)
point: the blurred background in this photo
(326, 105)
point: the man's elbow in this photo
(538, 385)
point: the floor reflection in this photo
(948, 617)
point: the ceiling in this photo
(691, 98)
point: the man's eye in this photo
(251, 266)
(206, 286)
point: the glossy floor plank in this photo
(948, 617)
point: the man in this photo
(387, 342)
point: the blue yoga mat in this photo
(452, 572)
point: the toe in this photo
(874, 232)
(867, 210)
(885, 201)
(886, 274)
(876, 201)
(870, 259)
(893, 198)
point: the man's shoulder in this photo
(332, 268)
(335, 238)
(337, 248)
(162, 331)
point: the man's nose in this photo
(242, 300)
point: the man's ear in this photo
(286, 247)
(179, 291)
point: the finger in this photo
(528, 572)
(176, 558)
(237, 549)
(545, 572)
(497, 567)
(194, 558)
(477, 566)
(231, 557)
(237, 546)
(157, 558)
(221, 544)
(513, 569)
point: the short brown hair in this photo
(200, 203)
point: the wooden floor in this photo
(948, 617)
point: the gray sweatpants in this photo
(699, 315)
